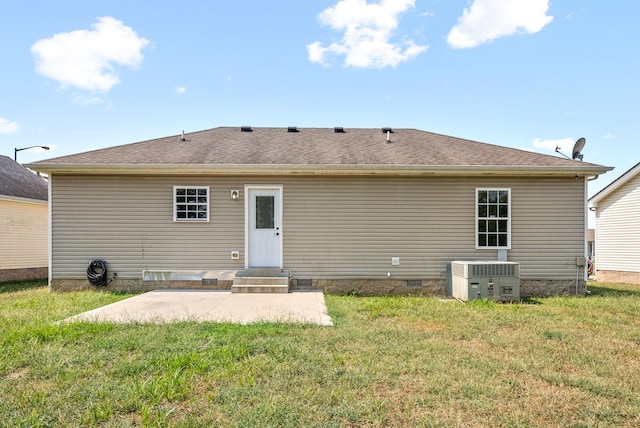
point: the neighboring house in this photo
(591, 240)
(617, 209)
(24, 221)
(368, 211)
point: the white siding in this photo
(23, 234)
(618, 229)
(333, 227)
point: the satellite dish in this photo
(577, 149)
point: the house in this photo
(617, 209)
(370, 211)
(24, 219)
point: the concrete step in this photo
(260, 288)
(261, 280)
(262, 272)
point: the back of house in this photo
(368, 211)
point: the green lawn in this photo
(400, 361)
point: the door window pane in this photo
(265, 218)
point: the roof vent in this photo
(339, 130)
(388, 131)
(246, 129)
(292, 129)
(183, 139)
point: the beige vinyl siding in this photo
(128, 221)
(618, 229)
(332, 227)
(24, 234)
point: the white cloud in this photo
(7, 126)
(180, 89)
(565, 144)
(608, 136)
(88, 100)
(85, 59)
(367, 30)
(487, 20)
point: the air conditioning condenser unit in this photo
(495, 280)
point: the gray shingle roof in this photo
(309, 147)
(19, 182)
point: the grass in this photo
(389, 361)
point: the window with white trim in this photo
(190, 203)
(493, 218)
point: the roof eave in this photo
(329, 169)
(23, 200)
(615, 185)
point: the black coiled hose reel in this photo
(97, 273)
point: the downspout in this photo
(585, 243)
(50, 234)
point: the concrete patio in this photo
(164, 306)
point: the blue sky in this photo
(529, 74)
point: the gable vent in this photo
(339, 130)
(292, 129)
(246, 129)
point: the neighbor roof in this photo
(613, 186)
(18, 182)
(313, 150)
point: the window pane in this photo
(265, 218)
(493, 222)
(191, 203)
(482, 240)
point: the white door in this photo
(264, 234)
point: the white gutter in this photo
(254, 170)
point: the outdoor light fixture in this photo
(235, 194)
(16, 150)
